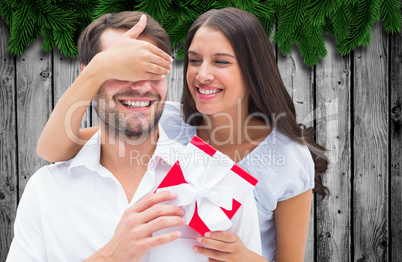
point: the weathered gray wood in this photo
(333, 132)
(29, 102)
(66, 70)
(8, 144)
(396, 147)
(298, 80)
(34, 103)
(175, 81)
(370, 185)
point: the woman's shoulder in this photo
(283, 167)
(277, 150)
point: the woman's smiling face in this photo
(213, 76)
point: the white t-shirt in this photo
(70, 209)
(284, 169)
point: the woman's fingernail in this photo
(199, 239)
(208, 234)
(182, 211)
(195, 248)
(178, 233)
(173, 194)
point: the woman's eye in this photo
(193, 60)
(222, 62)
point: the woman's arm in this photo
(291, 220)
(61, 139)
(129, 60)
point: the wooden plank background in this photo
(354, 102)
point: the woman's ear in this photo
(82, 67)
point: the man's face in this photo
(125, 108)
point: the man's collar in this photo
(89, 155)
(166, 149)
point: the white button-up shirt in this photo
(69, 210)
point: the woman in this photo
(234, 99)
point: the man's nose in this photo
(143, 85)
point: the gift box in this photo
(209, 186)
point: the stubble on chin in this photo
(134, 126)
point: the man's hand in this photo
(133, 236)
(129, 59)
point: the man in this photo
(100, 206)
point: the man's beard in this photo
(132, 126)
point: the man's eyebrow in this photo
(216, 54)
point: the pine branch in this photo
(54, 17)
(291, 17)
(318, 10)
(263, 10)
(327, 28)
(266, 12)
(340, 23)
(6, 12)
(48, 39)
(391, 15)
(305, 47)
(112, 6)
(361, 24)
(310, 42)
(213, 4)
(301, 22)
(13, 4)
(23, 31)
(317, 37)
(189, 10)
(65, 43)
(157, 9)
(178, 35)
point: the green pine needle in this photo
(291, 17)
(112, 6)
(157, 9)
(178, 33)
(361, 24)
(391, 15)
(300, 22)
(65, 43)
(318, 10)
(23, 32)
(340, 23)
(48, 39)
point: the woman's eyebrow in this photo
(224, 54)
(216, 54)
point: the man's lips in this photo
(136, 103)
(133, 103)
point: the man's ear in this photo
(82, 67)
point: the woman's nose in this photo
(204, 74)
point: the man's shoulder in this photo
(47, 175)
(53, 168)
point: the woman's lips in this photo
(208, 92)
